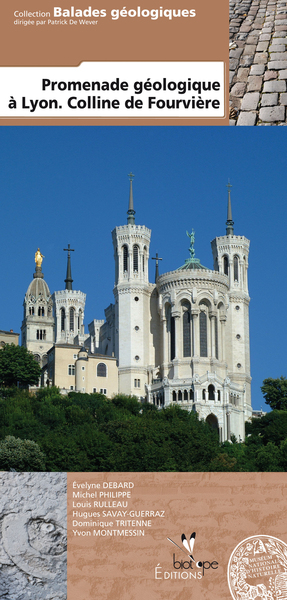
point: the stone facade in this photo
(72, 368)
(38, 321)
(185, 339)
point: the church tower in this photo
(230, 256)
(132, 302)
(38, 322)
(69, 308)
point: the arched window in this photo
(225, 265)
(174, 396)
(185, 395)
(179, 395)
(41, 311)
(186, 335)
(101, 370)
(72, 319)
(235, 268)
(211, 391)
(203, 333)
(80, 320)
(135, 259)
(63, 318)
(218, 395)
(125, 259)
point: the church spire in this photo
(131, 211)
(69, 280)
(229, 222)
(156, 258)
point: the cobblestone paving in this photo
(258, 62)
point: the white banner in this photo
(114, 89)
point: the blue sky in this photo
(63, 185)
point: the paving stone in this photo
(246, 61)
(238, 89)
(249, 49)
(265, 37)
(262, 47)
(250, 101)
(274, 86)
(259, 84)
(236, 53)
(233, 62)
(254, 83)
(270, 75)
(260, 58)
(269, 99)
(279, 40)
(278, 56)
(247, 118)
(276, 48)
(257, 69)
(272, 113)
(242, 73)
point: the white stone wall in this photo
(33, 536)
(69, 299)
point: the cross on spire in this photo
(229, 222)
(156, 258)
(69, 280)
(131, 211)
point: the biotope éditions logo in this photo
(185, 569)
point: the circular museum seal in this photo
(257, 568)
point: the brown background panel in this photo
(204, 38)
(223, 509)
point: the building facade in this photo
(185, 338)
(182, 340)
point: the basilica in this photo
(182, 339)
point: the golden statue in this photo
(38, 258)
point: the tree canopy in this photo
(18, 367)
(275, 392)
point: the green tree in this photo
(275, 392)
(20, 455)
(18, 366)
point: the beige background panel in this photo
(204, 37)
(223, 509)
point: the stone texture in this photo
(250, 101)
(247, 118)
(254, 83)
(33, 536)
(238, 89)
(274, 86)
(272, 114)
(259, 28)
(269, 99)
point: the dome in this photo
(38, 288)
(192, 263)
